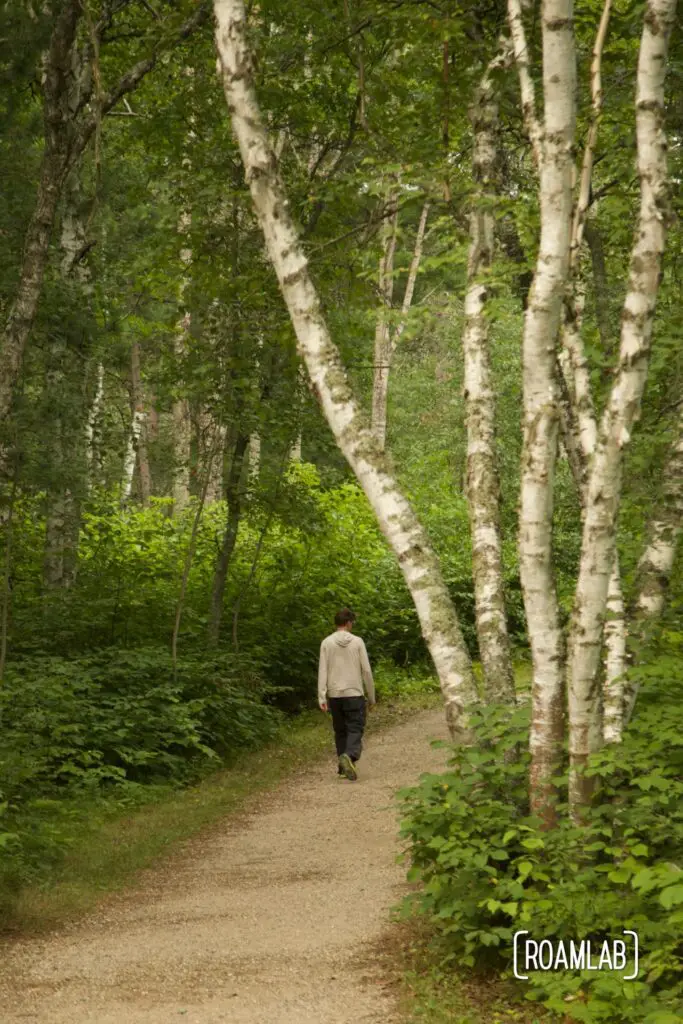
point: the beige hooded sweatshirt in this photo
(344, 667)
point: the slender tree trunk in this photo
(92, 427)
(386, 341)
(139, 407)
(541, 400)
(382, 359)
(68, 409)
(301, 376)
(596, 248)
(615, 659)
(622, 409)
(581, 425)
(483, 490)
(657, 561)
(440, 626)
(213, 449)
(254, 459)
(131, 454)
(213, 437)
(182, 427)
(57, 91)
(233, 496)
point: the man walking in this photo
(344, 668)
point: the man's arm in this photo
(366, 672)
(322, 678)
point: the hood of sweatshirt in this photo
(343, 638)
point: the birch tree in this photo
(438, 619)
(71, 118)
(552, 143)
(482, 483)
(386, 336)
(138, 404)
(623, 405)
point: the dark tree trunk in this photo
(233, 495)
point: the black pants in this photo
(348, 721)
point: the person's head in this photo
(344, 619)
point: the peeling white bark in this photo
(482, 483)
(615, 659)
(623, 406)
(521, 52)
(131, 454)
(139, 407)
(541, 399)
(397, 520)
(91, 446)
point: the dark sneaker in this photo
(348, 768)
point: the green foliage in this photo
(107, 724)
(320, 549)
(487, 869)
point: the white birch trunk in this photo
(385, 341)
(623, 406)
(182, 428)
(615, 659)
(521, 51)
(582, 424)
(141, 438)
(397, 520)
(483, 492)
(131, 455)
(301, 377)
(412, 276)
(91, 427)
(541, 400)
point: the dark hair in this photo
(344, 616)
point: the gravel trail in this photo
(265, 920)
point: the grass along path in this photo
(111, 843)
(270, 917)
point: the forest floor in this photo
(270, 917)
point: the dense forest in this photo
(356, 302)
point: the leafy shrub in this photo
(487, 869)
(107, 723)
(124, 715)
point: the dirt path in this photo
(263, 922)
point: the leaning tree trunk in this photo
(623, 405)
(541, 401)
(483, 490)
(440, 626)
(57, 91)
